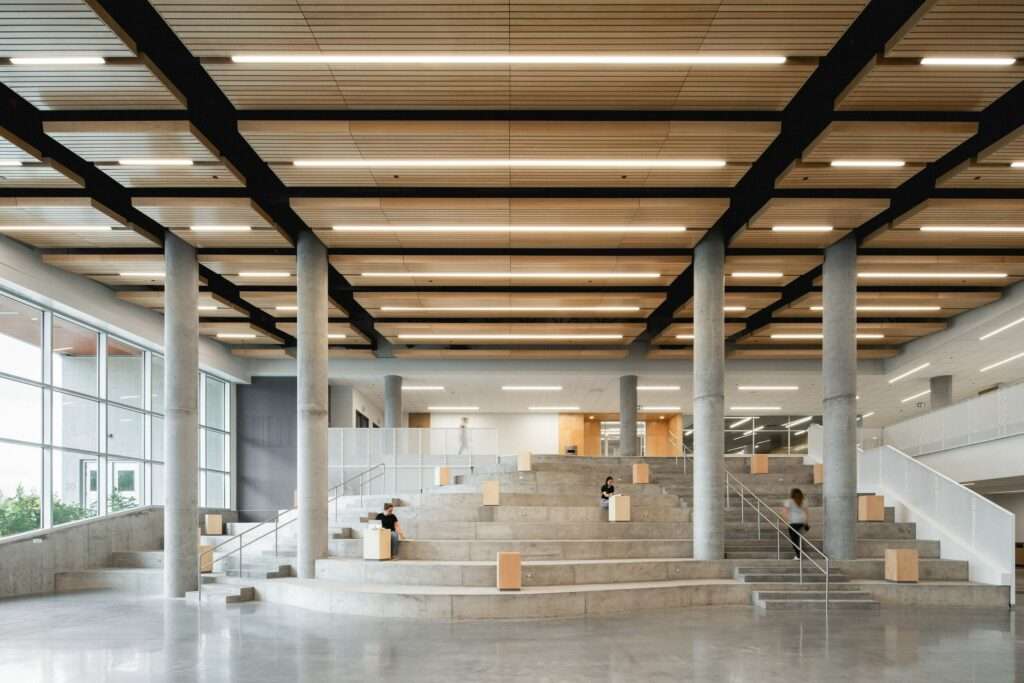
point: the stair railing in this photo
(766, 513)
(679, 447)
(334, 493)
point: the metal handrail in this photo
(744, 492)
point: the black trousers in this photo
(794, 535)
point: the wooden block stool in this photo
(524, 463)
(759, 464)
(641, 473)
(510, 571)
(441, 476)
(491, 492)
(376, 544)
(214, 525)
(205, 558)
(618, 508)
(819, 473)
(870, 508)
(901, 565)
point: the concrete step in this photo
(221, 594)
(453, 497)
(743, 531)
(149, 559)
(130, 580)
(567, 549)
(867, 548)
(425, 531)
(771, 601)
(591, 512)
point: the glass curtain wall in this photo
(768, 434)
(81, 423)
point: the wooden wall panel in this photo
(570, 431)
(591, 438)
(419, 420)
(657, 444)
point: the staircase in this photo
(781, 588)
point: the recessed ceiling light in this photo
(659, 387)
(801, 228)
(972, 228)
(1002, 362)
(753, 408)
(660, 408)
(752, 274)
(422, 387)
(740, 422)
(235, 335)
(802, 420)
(908, 373)
(220, 228)
(512, 309)
(58, 61)
(565, 408)
(932, 275)
(811, 335)
(526, 387)
(867, 163)
(55, 228)
(778, 387)
(286, 308)
(512, 337)
(968, 61)
(155, 162)
(453, 59)
(522, 275)
(1005, 327)
(142, 273)
(684, 336)
(336, 335)
(265, 273)
(512, 163)
(917, 395)
(10, 162)
(889, 309)
(463, 408)
(516, 229)
(733, 309)
(208, 308)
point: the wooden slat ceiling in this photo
(378, 303)
(949, 304)
(841, 214)
(966, 28)
(441, 332)
(31, 173)
(992, 167)
(52, 212)
(72, 29)
(179, 214)
(963, 213)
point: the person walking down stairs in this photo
(389, 521)
(796, 516)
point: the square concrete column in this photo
(839, 374)
(392, 402)
(709, 398)
(181, 417)
(941, 391)
(311, 360)
(627, 415)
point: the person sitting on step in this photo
(607, 491)
(388, 521)
(796, 515)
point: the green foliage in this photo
(19, 513)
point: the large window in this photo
(81, 423)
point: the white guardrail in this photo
(990, 416)
(409, 455)
(968, 526)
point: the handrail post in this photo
(241, 565)
(759, 519)
(275, 535)
(828, 571)
(778, 544)
(801, 562)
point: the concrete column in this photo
(942, 391)
(709, 399)
(181, 418)
(627, 415)
(392, 401)
(839, 371)
(311, 359)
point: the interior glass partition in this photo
(761, 434)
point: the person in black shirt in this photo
(388, 521)
(607, 491)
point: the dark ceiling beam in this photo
(803, 120)
(227, 293)
(512, 347)
(215, 121)
(790, 293)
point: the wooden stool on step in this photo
(759, 464)
(510, 571)
(641, 473)
(901, 565)
(819, 473)
(524, 463)
(618, 508)
(870, 508)
(441, 476)
(491, 495)
(214, 525)
(376, 544)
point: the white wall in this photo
(346, 400)
(988, 460)
(1014, 502)
(517, 432)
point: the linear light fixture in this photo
(460, 408)
(453, 59)
(527, 387)
(1002, 362)
(684, 336)
(753, 408)
(659, 387)
(58, 61)
(154, 162)
(61, 350)
(733, 309)
(516, 229)
(512, 309)
(802, 420)
(558, 408)
(867, 415)
(972, 228)
(513, 337)
(286, 308)
(968, 61)
(337, 335)
(220, 228)
(908, 373)
(208, 308)
(932, 275)
(739, 423)
(422, 387)
(867, 163)
(889, 309)
(1017, 164)
(800, 433)
(755, 430)
(512, 163)
(658, 408)
(777, 387)
(522, 276)
(265, 273)
(917, 395)
(756, 274)
(55, 228)
(802, 228)
(235, 335)
(142, 273)
(1005, 327)
(688, 432)
(811, 335)
(10, 163)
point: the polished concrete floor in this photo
(106, 637)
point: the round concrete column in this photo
(708, 398)
(311, 359)
(839, 374)
(181, 418)
(392, 402)
(627, 416)
(941, 391)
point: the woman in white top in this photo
(796, 515)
